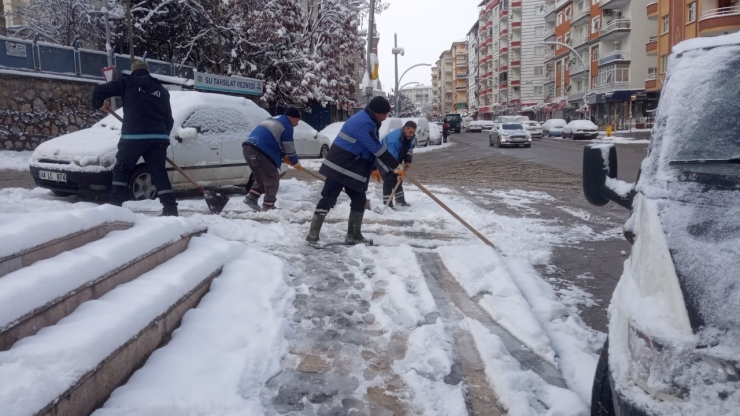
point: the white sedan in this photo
(534, 128)
(476, 126)
(308, 141)
(581, 129)
(206, 142)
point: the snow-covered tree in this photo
(58, 21)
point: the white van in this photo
(422, 130)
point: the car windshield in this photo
(512, 127)
(701, 110)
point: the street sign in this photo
(109, 73)
(233, 85)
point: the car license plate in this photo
(53, 176)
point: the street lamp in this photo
(565, 45)
(396, 51)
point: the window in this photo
(666, 25)
(539, 51)
(539, 11)
(539, 89)
(539, 31)
(560, 19)
(595, 54)
(596, 24)
(692, 12)
(594, 2)
(539, 71)
(663, 64)
(580, 6)
(567, 39)
(568, 13)
(559, 39)
(579, 86)
(652, 71)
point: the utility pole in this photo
(108, 48)
(370, 36)
(396, 51)
(130, 30)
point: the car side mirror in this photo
(600, 184)
(189, 134)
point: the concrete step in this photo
(71, 368)
(41, 294)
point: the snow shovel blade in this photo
(215, 201)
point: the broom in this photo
(215, 200)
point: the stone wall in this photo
(34, 109)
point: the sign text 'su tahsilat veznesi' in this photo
(233, 85)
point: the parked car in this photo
(331, 131)
(388, 125)
(487, 124)
(206, 141)
(674, 318)
(534, 128)
(581, 129)
(422, 130)
(435, 134)
(509, 134)
(308, 142)
(476, 126)
(553, 127)
(466, 122)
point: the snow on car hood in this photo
(699, 205)
(94, 141)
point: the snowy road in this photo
(429, 321)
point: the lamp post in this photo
(588, 81)
(398, 80)
(370, 36)
(396, 51)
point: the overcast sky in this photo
(425, 28)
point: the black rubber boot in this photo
(252, 202)
(354, 230)
(169, 211)
(313, 233)
(402, 202)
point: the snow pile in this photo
(427, 362)
(224, 352)
(12, 160)
(22, 234)
(431, 148)
(521, 392)
(37, 369)
(480, 271)
(18, 203)
(32, 287)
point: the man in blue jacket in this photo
(267, 146)
(348, 166)
(145, 133)
(400, 143)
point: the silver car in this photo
(534, 128)
(509, 134)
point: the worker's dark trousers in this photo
(389, 182)
(154, 152)
(331, 192)
(266, 175)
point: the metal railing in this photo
(614, 57)
(580, 14)
(549, 32)
(73, 61)
(722, 11)
(652, 39)
(550, 7)
(576, 69)
(576, 42)
(617, 24)
(651, 75)
(578, 95)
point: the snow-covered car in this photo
(476, 126)
(435, 134)
(581, 129)
(206, 141)
(388, 125)
(509, 134)
(674, 318)
(330, 132)
(487, 124)
(553, 127)
(534, 128)
(308, 142)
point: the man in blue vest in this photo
(400, 143)
(267, 146)
(348, 166)
(145, 132)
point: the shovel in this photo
(390, 199)
(215, 200)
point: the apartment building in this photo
(435, 90)
(679, 20)
(472, 82)
(459, 53)
(510, 47)
(445, 88)
(610, 63)
(420, 95)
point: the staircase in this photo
(80, 313)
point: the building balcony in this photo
(516, 25)
(718, 21)
(504, 50)
(651, 47)
(516, 64)
(576, 95)
(503, 85)
(462, 63)
(550, 78)
(578, 71)
(651, 81)
(461, 88)
(517, 5)
(503, 14)
(612, 86)
(613, 4)
(616, 26)
(613, 57)
(549, 33)
(549, 54)
(515, 82)
(503, 32)
(580, 41)
(461, 76)
(516, 44)
(550, 7)
(652, 11)
(583, 16)
(503, 68)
